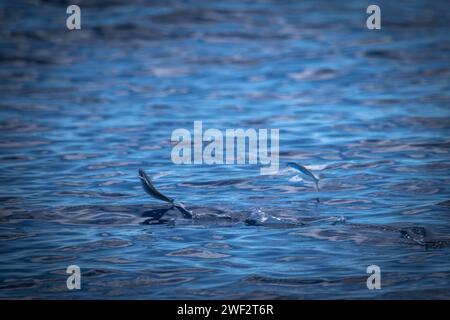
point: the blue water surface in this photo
(366, 110)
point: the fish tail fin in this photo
(183, 210)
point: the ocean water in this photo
(368, 111)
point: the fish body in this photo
(305, 171)
(150, 189)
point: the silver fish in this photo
(151, 190)
(305, 171)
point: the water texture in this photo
(367, 111)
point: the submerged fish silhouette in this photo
(152, 191)
(305, 171)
